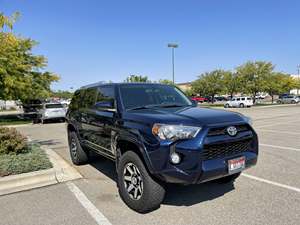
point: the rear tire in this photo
(228, 179)
(293, 102)
(145, 193)
(78, 155)
(226, 106)
(242, 105)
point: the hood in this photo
(186, 116)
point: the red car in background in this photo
(199, 99)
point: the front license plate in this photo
(236, 165)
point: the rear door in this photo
(102, 120)
(86, 112)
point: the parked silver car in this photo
(288, 99)
(52, 111)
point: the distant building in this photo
(185, 86)
(295, 91)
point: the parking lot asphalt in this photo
(268, 193)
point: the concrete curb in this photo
(61, 172)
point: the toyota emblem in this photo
(232, 131)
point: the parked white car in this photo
(239, 102)
(52, 111)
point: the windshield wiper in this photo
(142, 107)
(171, 105)
(157, 105)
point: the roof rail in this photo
(94, 84)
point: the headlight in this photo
(174, 132)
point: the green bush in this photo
(33, 160)
(12, 141)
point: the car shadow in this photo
(180, 195)
(49, 142)
(104, 165)
(177, 195)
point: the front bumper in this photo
(197, 166)
(206, 170)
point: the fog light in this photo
(175, 158)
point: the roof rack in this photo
(93, 85)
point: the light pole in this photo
(173, 46)
(298, 68)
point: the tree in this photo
(209, 84)
(62, 94)
(22, 74)
(136, 79)
(232, 83)
(166, 81)
(253, 76)
(279, 83)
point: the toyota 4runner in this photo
(156, 135)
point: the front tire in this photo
(136, 187)
(78, 155)
(242, 105)
(226, 106)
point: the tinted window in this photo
(105, 94)
(243, 99)
(248, 98)
(76, 100)
(145, 95)
(89, 97)
(54, 106)
(238, 99)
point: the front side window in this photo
(106, 94)
(151, 95)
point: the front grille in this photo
(222, 130)
(226, 149)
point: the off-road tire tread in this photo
(153, 193)
(82, 156)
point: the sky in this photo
(87, 41)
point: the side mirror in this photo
(194, 103)
(104, 105)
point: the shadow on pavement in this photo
(178, 195)
(104, 165)
(49, 142)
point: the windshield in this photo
(54, 106)
(147, 95)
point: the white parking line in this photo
(88, 205)
(273, 124)
(279, 131)
(281, 147)
(271, 182)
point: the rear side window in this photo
(105, 94)
(89, 97)
(243, 99)
(54, 106)
(238, 99)
(76, 100)
(248, 98)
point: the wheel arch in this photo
(123, 145)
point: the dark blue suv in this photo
(157, 135)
